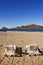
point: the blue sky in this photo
(21, 12)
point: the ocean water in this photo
(25, 30)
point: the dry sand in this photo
(21, 39)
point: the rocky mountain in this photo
(32, 26)
(24, 28)
(4, 29)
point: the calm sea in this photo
(26, 30)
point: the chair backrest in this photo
(31, 47)
(10, 48)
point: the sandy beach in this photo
(21, 39)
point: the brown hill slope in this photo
(32, 26)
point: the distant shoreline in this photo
(21, 30)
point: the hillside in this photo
(4, 29)
(32, 26)
(24, 28)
